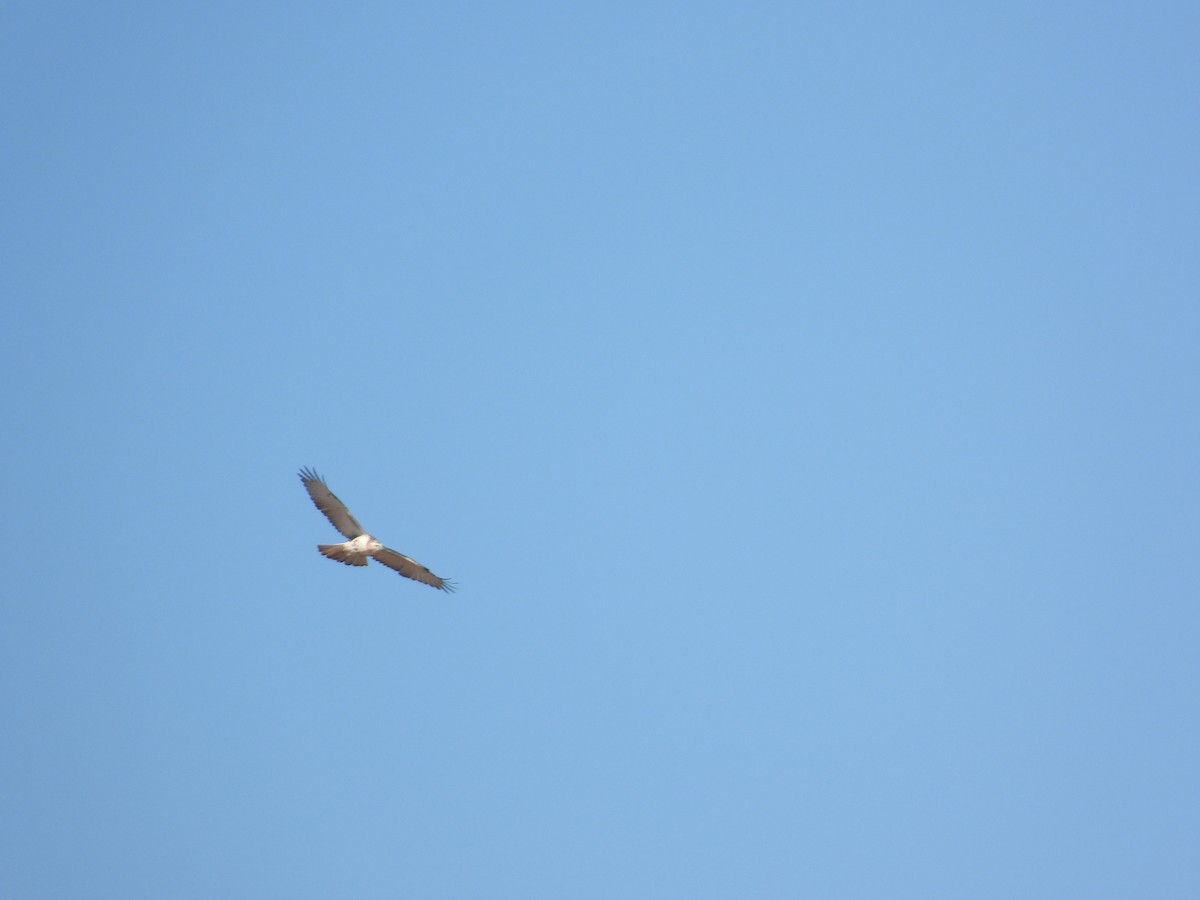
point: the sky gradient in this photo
(804, 398)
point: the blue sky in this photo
(804, 397)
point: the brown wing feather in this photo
(333, 508)
(410, 568)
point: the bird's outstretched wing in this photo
(334, 509)
(410, 568)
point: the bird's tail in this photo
(342, 555)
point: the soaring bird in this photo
(361, 545)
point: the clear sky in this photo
(803, 395)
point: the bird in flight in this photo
(361, 545)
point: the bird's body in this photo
(352, 553)
(361, 546)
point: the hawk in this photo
(361, 545)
